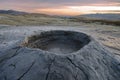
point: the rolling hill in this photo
(102, 16)
(12, 17)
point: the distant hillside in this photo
(11, 17)
(18, 13)
(102, 16)
(12, 12)
(108, 19)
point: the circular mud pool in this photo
(58, 41)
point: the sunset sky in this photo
(62, 7)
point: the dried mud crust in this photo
(91, 62)
(58, 41)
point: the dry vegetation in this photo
(98, 21)
(42, 19)
(30, 19)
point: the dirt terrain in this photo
(107, 35)
(59, 53)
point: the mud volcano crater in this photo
(60, 55)
(59, 42)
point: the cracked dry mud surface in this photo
(93, 61)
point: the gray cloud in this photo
(32, 4)
(72, 1)
(61, 1)
(51, 3)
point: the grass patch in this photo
(99, 21)
(41, 19)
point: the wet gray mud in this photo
(60, 42)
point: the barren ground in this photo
(106, 35)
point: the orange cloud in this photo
(64, 7)
(77, 10)
(62, 11)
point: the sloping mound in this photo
(59, 55)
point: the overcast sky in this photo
(62, 6)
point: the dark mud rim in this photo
(48, 33)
